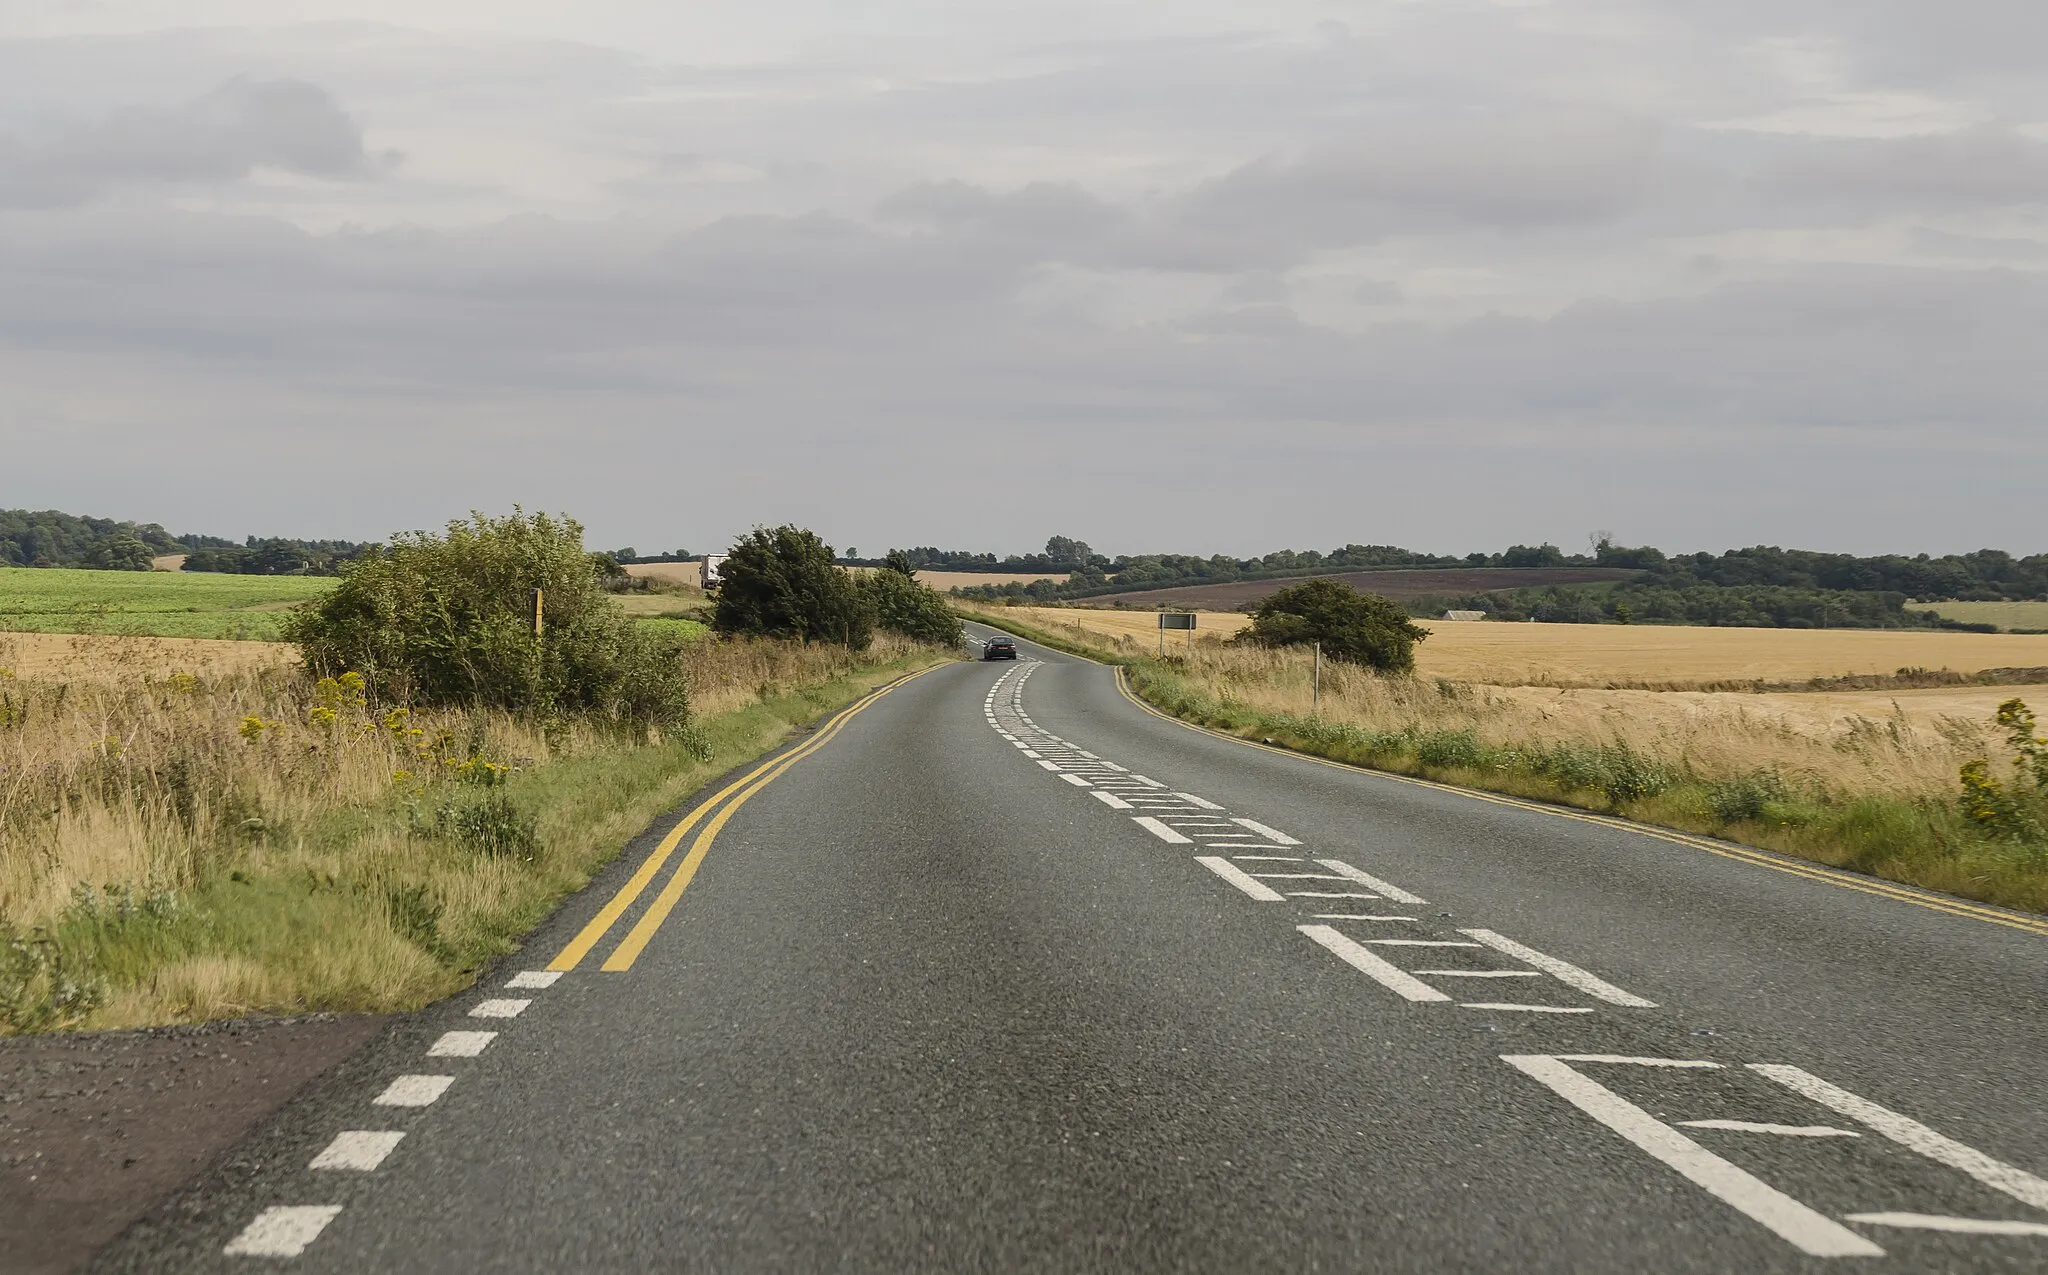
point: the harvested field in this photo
(102, 658)
(1399, 584)
(690, 573)
(2006, 615)
(944, 580)
(1637, 654)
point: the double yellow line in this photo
(636, 940)
(1742, 854)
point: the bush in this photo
(448, 620)
(1353, 627)
(785, 582)
(902, 605)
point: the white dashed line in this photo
(1911, 1134)
(1798, 1225)
(359, 1150)
(1160, 830)
(1563, 971)
(461, 1044)
(499, 1008)
(1241, 879)
(534, 978)
(1372, 965)
(413, 1091)
(1077, 781)
(1394, 892)
(1111, 800)
(1273, 835)
(283, 1231)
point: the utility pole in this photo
(537, 613)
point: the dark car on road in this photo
(999, 648)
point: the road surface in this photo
(1001, 971)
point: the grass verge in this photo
(327, 857)
(1867, 801)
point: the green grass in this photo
(688, 630)
(150, 603)
(2006, 615)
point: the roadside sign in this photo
(1175, 620)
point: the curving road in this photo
(1001, 971)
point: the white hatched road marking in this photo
(1527, 1009)
(1077, 781)
(1911, 1134)
(1273, 835)
(1160, 830)
(1480, 973)
(1372, 965)
(1803, 1228)
(1111, 800)
(1193, 800)
(1563, 971)
(1394, 892)
(357, 1149)
(1956, 1225)
(283, 1231)
(1782, 1130)
(413, 1091)
(461, 1044)
(1240, 878)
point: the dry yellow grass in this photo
(103, 658)
(689, 573)
(1602, 654)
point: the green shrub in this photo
(902, 605)
(785, 582)
(44, 986)
(1745, 797)
(449, 620)
(1353, 627)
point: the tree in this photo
(902, 605)
(119, 552)
(449, 620)
(784, 582)
(899, 562)
(1353, 627)
(1064, 552)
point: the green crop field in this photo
(2006, 615)
(150, 603)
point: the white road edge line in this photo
(1801, 1227)
(1241, 879)
(1160, 830)
(1273, 835)
(1563, 971)
(358, 1149)
(1110, 799)
(282, 1231)
(1394, 892)
(413, 1091)
(1911, 1134)
(1370, 964)
(461, 1044)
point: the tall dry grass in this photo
(255, 840)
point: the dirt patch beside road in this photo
(96, 1128)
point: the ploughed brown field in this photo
(1399, 584)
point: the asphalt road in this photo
(935, 999)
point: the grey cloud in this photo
(217, 137)
(1981, 166)
(1508, 172)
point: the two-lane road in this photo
(1000, 971)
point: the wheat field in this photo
(1640, 654)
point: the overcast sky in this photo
(1213, 275)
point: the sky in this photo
(1201, 276)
